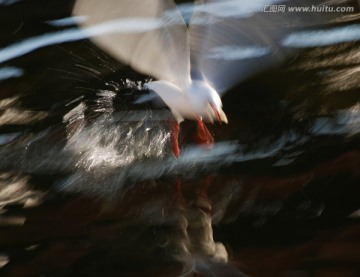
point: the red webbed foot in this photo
(203, 136)
(174, 136)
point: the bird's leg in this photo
(203, 136)
(174, 136)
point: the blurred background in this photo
(89, 186)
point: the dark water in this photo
(89, 187)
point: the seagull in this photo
(195, 51)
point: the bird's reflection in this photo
(181, 214)
(193, 240)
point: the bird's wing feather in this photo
(150, 36)
(233, 39)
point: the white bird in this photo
(225, 42)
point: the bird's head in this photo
(206, 102)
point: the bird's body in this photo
(197, 100)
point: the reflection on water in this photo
(10, 72)
(89, 187)
(323, 37)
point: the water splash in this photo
(128, 146)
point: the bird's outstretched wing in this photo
(233, 39)
(150, 36)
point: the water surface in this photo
(89, 186)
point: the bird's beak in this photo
(219, 113)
